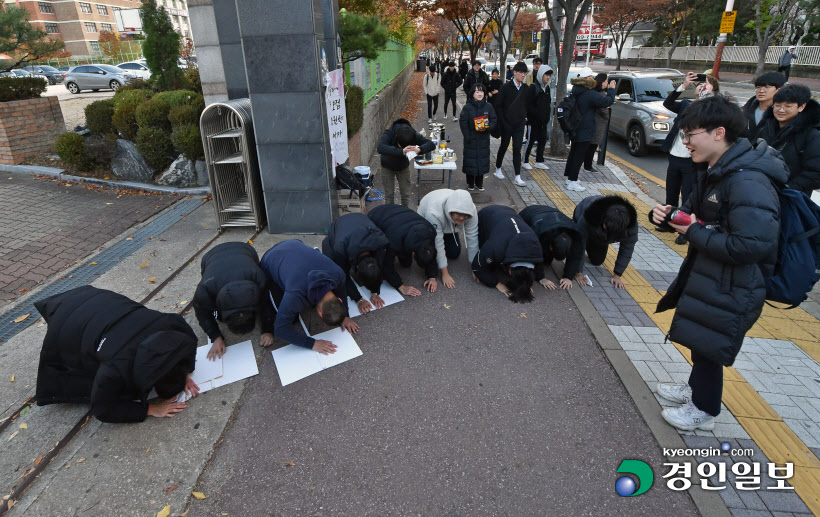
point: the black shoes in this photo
(681, 239)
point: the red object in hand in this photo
(681, 218)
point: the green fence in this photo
(130, 50)
(373, 76)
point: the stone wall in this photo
(378, 114)
(28, 127)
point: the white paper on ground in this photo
(388, 294)
(238, 363)
(352, 308)
(205, 369)
(588, 279)
(295, 362)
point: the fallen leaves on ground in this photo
(12, 378)
(198, 495)
(446, 306)
(144, 263)
(523, 314)
(25, 411)
(80, 460)
(92, 263)
(171, 488)
(250, 241)
(289, 463)
(23, 426)
(147, 450)
(21, 318)
(38, 461)
(165, 512)
(12, 435)
(23, 291)
(152, 279)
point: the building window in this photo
(45, 7)
(51, 28)
(106, 27)
(90, 27)
(101, 9)
(95, 47)
(85, 7)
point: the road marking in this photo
(637, 169)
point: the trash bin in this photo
(421, 65)
(233, 170)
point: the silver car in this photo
(638, 114)
(96, 77)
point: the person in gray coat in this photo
(784, 65)
(601, 125)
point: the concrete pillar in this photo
(282, 43)
(208, 53)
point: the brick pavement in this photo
(48, 225)
(772, 394)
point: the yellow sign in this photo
(727, 22)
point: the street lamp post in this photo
(730, 4)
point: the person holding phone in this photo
(680, 173)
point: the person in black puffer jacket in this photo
(450, 81)
(398, 140)
(233, 289)
(494, 88)
(511, 110)
(475, 76)
(510, 247)
(539, 104)
(757, 107)
(354, 242)
(794, 130)
(720, 289)
(103, 348)
(410, 235)
(476, 121)
(604, 220)
(588, 101)
(559, 238)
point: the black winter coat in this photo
(476, 155)
(495, 84)
(351, 235)
(392, 156)
(539, 104)
(675, 106)
(749, 109)
(504, 238)
(472, 78)
(511, 107)
(588, 101)
(463, 70)
(720, 288)
(799, 143)
(450, 81)
(589, 218)
(406, 230)
(104, 348)
(232, 281)
(546, 222)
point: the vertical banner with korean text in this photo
(336, 116)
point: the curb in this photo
(126, 185)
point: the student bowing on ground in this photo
(410, 235)
(302, 278)
(103, 348)
(233, 289)
(559, 238)
(507, 246)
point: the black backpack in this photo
(568, 114)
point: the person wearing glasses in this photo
(757, 107)
(732, 228)
(680, 174)
(794, 130)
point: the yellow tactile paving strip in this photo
(777, 441)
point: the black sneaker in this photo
(593, 169)
(480, 189)
(681, 239)
(664, 228)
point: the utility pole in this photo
(589, 35)
(730, 4)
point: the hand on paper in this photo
(414, 148)
(503, 288)
(431, 284)
(266, 340)
(324, 347)
(617, 282)
(579, 277)
(377, 300)
(548, 284)
(350, 326)
(660, 212)
(409, 290)
(168, 408)
(217, 349)
(364, 306)
(566, 283)
(191, 389)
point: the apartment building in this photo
(178, 11)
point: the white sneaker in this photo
(688, 418)
(499, 174)
(541, 165)
(679, 393)
(518, 181)
(429, 120)
(455, 119)
(576, 186)
(527, 166)
(435, 116)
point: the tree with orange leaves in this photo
(525, 25)
(619, 17)
(469, 18)
(110, 44)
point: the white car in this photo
(137, 69)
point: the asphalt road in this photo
(59, 90)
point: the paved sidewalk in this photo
(771, 395)
(48, 225)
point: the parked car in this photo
(96, 77)
(137, 68)
(53, 75)
(64, 68)
(638, 114)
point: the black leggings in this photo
(432, 105)
(447, 98)
(706, 381)
(680, 178)
(589, 156)
(538, 132)
(577, 151)
(517, 137)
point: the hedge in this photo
(188, 141)
(153, 113)
(14, 89)
(125, 121)
(98, 117)
(354, 105)
(70, 148)
(178, 97)
(132, 97)
(155, 146)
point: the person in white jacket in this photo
(432, 87)
(448, 210)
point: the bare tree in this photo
(770, 18)
(502, 14)
(677, 15)
(468, 17)
(620, 17)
